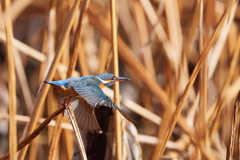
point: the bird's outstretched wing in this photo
(84, 114)
(96, 97)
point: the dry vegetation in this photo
(182, 57)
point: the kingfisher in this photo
(85, 94)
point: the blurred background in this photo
(160, 43)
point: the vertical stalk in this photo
(117, 118)
(201, 124)
(11, 87)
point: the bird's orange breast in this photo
(102, 85)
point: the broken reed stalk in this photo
(117, 118)
(36, 132)
(235, 118)
(44, 89)
(193, 77)
(83, 7)
(76, 131)
(11, 86)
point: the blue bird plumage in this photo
(86, 94)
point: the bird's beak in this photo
(119, 79)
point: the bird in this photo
(85, 94)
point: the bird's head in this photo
(108, 79)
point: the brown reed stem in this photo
(11, 86)
(77, 132)
(117, 118)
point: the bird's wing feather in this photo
(84, 114)
(96, 97)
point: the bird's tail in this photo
(56, 83)
(124, 114)
(110, 104)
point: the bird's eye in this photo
(113, 78)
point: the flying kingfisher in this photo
(85, 94)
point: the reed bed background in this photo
(182, 58)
